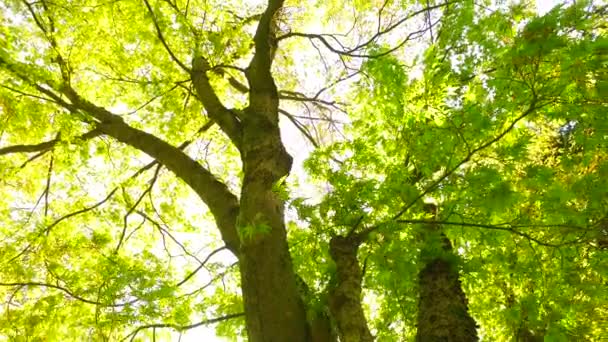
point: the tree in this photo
(467, 199)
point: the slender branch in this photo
(352, 51)
(134, 207)
(508, 228)
(47, 188)
(191, 274)
(300, 127)
(81, 211)
(46, 99)
(47, 145)
(180, 328)
(293, 95)
(67, 291)
(164, 231)
(160, 36)
(533, 106)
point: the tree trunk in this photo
(273, 308)
(442, 310)
(443, 313)
(345, 295)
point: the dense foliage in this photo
(492, 112)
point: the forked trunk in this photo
(273, 308)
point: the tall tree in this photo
(492, 112)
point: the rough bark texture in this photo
(442, 309)
(443, 313)
(345, 296)
(273, 308)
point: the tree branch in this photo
(221, 202)
(45, 146)
(507, 228)
(531, 108)
(351, 52)
(67, 291)
(191, 274)
(262, 88)
(133, 334)
(160, 36)
(225, 118)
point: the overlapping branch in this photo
(159, 34)
(354, 51)
(221, 202)
(131, 336)
(65, 290)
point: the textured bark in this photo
(345, 296)
(443, 313)
(274, 310)
(442, 309)
(321, 331)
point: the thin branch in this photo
(164, 231)
(46, 99)
(134, 206)
(45, 146)
(533, 106)
(191, 274)
(351, 52)
(67, 291)
(47, 188)
(509, 228)
(181, 328)
(160, 36)
(220, 275)
(300, 127)
(47, 230)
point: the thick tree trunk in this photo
(345, 295)
(442, 309)
(273, 308)
(443, 313)
(321, 330)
